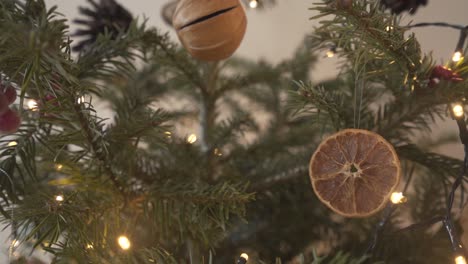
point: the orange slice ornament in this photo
(354, 172)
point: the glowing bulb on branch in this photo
(32, 105)
(12, 144)
(15, 243)
(58, 167)
(80, 100)
(460, 260)
(124, 242)
(253, 4)
(458, 110)
(398, 198)
(192, 139)
(330, 53)
(243, 259)
(59, 198)
(217, 152)
(457, 56)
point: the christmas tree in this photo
(228, 161)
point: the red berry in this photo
(10, 93)
(49, 97)
(440, 72)
(9, 122)
(3, 104)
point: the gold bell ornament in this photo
(210, 30)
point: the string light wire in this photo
(437, 24)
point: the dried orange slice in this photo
(354, 172)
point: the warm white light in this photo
(89, 246)
(32, 105)
(80, 100)
(253, 4)
(192, 139)
(217, 152)
(389, 28)
(398, 198)
(124, 242)
(59, 198)
(245, 256)
(458, 110)
(15, 243)
(58, 166)
(12, 144)
(457, 56)
(460, 260)
(330, 54)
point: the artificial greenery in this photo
(243, 185)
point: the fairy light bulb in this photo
(460, 260)
(12, 144)
(80, 100)
(15, 243)
(89, 246)
(458, 110)
(217, 152)
(457, 56)
(330, 53)
(243, 259)
(389, 28)
(253, 4)
(124, 242)
(59, 198)
(32, 105)
(398, 198)
(12, 249)
(58, 167)
(191, 139)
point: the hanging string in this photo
(362, 87)
(359, 83)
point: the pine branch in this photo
(99, 148)
(206, 209)
(436, 163)
(371, 39)
(173, 58)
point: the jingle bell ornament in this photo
(210, 30)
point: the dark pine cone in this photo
(398, 6)
(107, 16)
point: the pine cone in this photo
(398, 6)
(107, 16)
